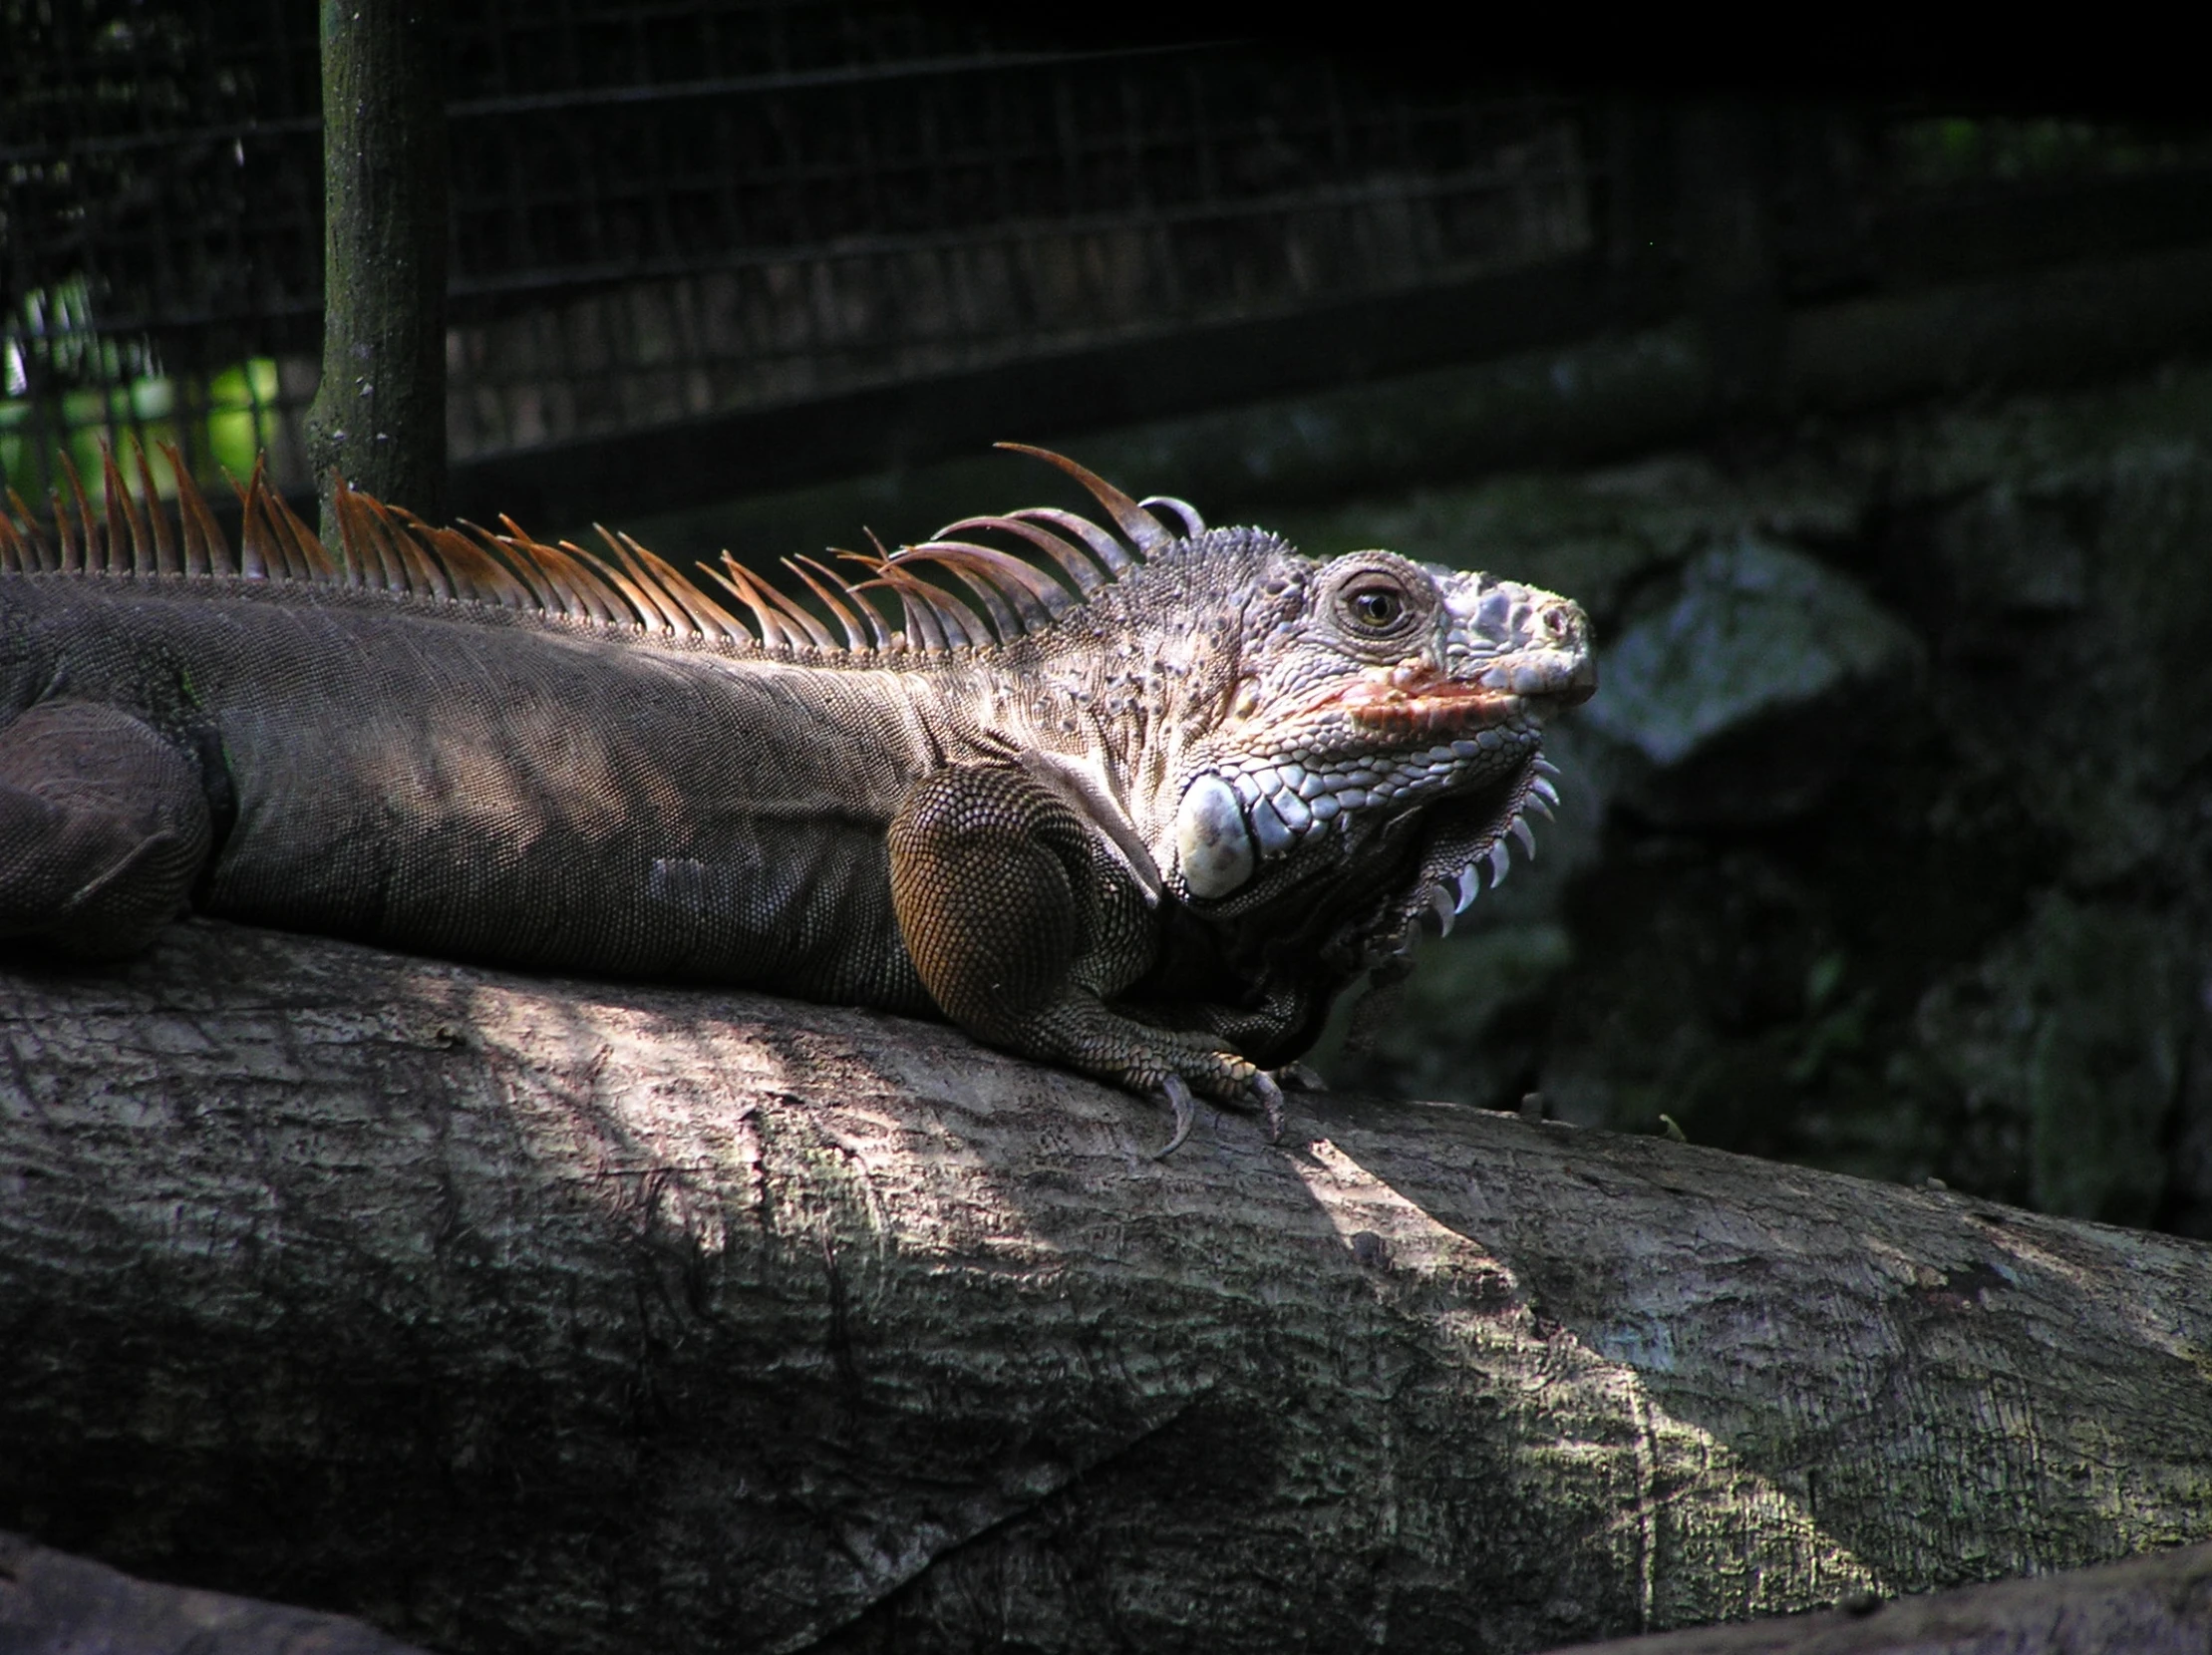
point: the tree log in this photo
(2160, 1604)
(519, 1314)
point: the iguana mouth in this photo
(1437, 707)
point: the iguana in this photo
(1138, 799)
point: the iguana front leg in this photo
(1021, 922)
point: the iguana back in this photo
(500, 786)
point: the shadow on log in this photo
(518, 1314)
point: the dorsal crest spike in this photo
(1143, 529)
(475, 573)
(1104, 546)
(67, 561)
(921, 630)
(669, 584)
(974, 568)
(953, 623)
(124, 511)
(878, 633)
(583, 581)
(1035, 596)
(253, 547)
(680, 619)
(1080, 569)
(654, 615)
(205, 552)
(369, 551)
(306, 551)
(422, 573)
(789, 609)
(72, 558)
(165, 560)
(17, 556)
(37, 554)
(1185, 512)
(830, 600)
(747, 588)
(541, 588)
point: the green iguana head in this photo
(1379, 700)
(1361, 732)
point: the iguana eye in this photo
(1375, 601)
(1375, 608)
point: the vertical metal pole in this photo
(379, 418)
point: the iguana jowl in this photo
(1139, 800)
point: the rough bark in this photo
(515, 1314)
(379, 416)
(54, 1604)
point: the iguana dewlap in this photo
(1140, 801)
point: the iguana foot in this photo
(1300, 1077)
(1174, 1091)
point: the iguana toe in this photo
(1270, 1096)
(1177, 1091)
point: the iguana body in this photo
(1050, 821)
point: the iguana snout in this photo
(1505, 636)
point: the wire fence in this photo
(670, 213)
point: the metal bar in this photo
(668, 92)
(797, 80)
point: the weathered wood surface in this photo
(515, 1314)
(52, 1603)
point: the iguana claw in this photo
(1271, 1104)
(1176, 1091)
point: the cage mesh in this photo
(671, 210)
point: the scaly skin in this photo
(1148, 828)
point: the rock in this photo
(1748, 693)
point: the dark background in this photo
(1853, 380)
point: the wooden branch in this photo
(515, 1314)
